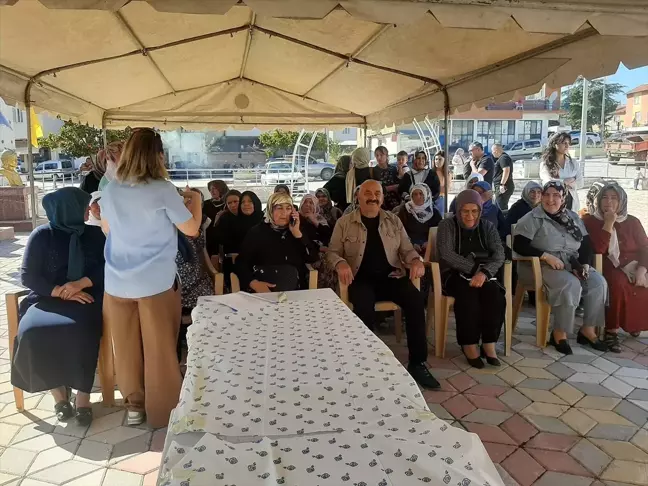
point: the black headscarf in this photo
(245, 222)
(66, 209)
(562, 217)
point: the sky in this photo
(629, 78)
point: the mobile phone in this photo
(293, 221)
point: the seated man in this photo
(368, 249)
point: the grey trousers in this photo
(563, 292)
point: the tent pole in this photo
(30, 155)
(103, 131)
(583, 131)
(446, 151)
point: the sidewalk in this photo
(545, 419)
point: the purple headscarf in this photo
(467, 196)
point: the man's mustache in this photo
(373, 201)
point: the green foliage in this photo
(279, 142)
(595, 97)
(336, 151)
(79, 140)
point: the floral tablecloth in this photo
(302, 393)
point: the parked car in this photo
(316, 168)
(524, 149)
(281, 173)
(55, 169)
(593, 139)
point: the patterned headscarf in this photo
(614, 250)
(359, 160)
(424, 212)
(276, 199)
(562, 217)
(590, 199)
(318, 212)
(526, 192)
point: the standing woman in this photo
(336, 186)
(439, 163)
(420, 174)
(359, 171)
(622, 239)
(471, 255)
(60, 320)
(557, 165)
(113, 153)
(141, 213)
(388, 176)
(90, 182)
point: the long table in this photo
(302, 393)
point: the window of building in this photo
(531, 129)
(495, 131)
(637, 100)
(462, 133)
(638, 116)
(346, 131)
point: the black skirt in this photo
(57, 345)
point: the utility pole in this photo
(583, 133)
(603, 114)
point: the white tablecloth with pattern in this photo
(302, 393)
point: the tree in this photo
(595, 96)
(79, 140)
(279, 142)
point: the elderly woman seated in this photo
(330, 212)
(622, 239)
(558, 237)
(317, 229)
(418, 215)
(274, 254)
(60, 321)
(471, 255)
(473, 179)
(531, 197)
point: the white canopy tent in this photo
(302, 63)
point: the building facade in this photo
(636, 113)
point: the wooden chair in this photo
(219, 278)
(439, 305)
(543, 309)
(105, 363)
(381, 306)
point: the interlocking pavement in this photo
(545, 419)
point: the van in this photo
(524, 149)
(54, 169)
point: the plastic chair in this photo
(543, 309)
(105, 363)
(381, 306)
(439, 305)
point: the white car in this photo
(281, 173)
(55, 169)
(524, 149)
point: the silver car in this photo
(316, 168)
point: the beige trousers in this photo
(145, 335)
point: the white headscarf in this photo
(614, 251)
(474, 175)
(92, 221)
(276, 199)
(359, 160)
(424, 212)
(318, 210)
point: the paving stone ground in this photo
(545, 420)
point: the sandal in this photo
(83, 416)
(611, 339)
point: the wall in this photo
(632, 108)
(7, 135)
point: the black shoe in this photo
(489, 360)
(422, 376)
(596, 344)
(561, 346)
(612, 342)
(580, 311)
(474, 362)
(64, 411)
(83, 416)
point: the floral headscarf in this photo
(562, 217)
(276, 199)
(424, 212)
(318, 212)
(614, 250)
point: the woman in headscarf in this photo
(336, 185)
(359, 171)
(388, 175)
(471, 255)
(558, 237)
(90, 182)
(531, 197)
(473, 179)
(490, 211)
(419, 215)
(439, 163)
(317, 229)
(221, 232)
(621, 238)
(458, 163)
(557, 165)
(274, 254)
(330, 212)
(420, 174)
(113, 156)
(60, 320)
(94, 217)
(212, 207)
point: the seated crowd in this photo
(367, 230)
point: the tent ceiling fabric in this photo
(314, 63)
